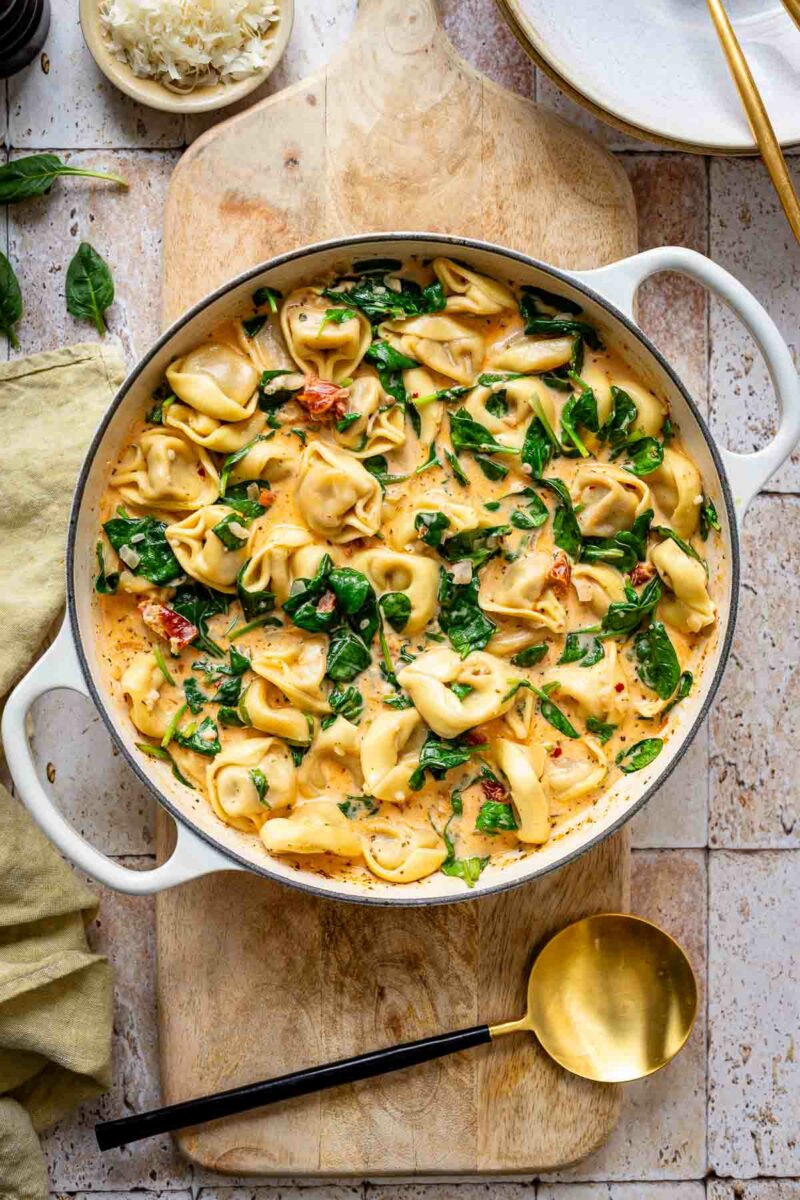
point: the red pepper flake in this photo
(168, 624)
(323, 399)
(619, 687)
(560, 574)
(642, 573)
(556, 753)
(493, 789)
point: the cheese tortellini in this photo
(678, 492)
(429, 682)
(469, 292)
(611, 499)
(165, 470)
(216, 380)
(416, 577)
(440, 342)
(379, 580)
(249, 780)
(313, 827)
(522, 591)
(337, 498)
(202, 552)
(401, 853)
(320, 345)
(690, 607)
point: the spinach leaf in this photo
(269, 296)
(202, 738)
(580, 410)
(639, 756)
(106, 583)
(474, 545)
(581, 648)
(198, 603)
(537, 449)
(561, 327)
(559, 304)
(254, 604)
(228, 692)
(396, 607)
(379, 302)
(708, 513)
(462, 690)
(445, 395)
(344, 423)
(356, 599)
(495, 817)
(431, 461)
(308, 606)
(644, 455)
(530, 656)
(253, 325)
(468, 434)
(376, 266)
(601, 729)
(624, 549)
(230, 539)
(624, 616)
(146, 537)
(348, 703)
(261, 784)
(534, 515)
(439, 755)
(348, 655)
(550, 711)
(335, 316)
(384, 356)
(358, 806)
(89, 287)
(33, 175)
(195, 698)
(398, 701)
(624, 414)
(460, 615)
(491, 469)
(497, 404)
(685, 684)
(468, 869)
(566, 531)
(378, 466)
(431, 527)
(657, 663)
(163, 755)
(457, 469)
(10, 301)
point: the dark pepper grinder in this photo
(24, 25)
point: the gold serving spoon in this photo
(757, 116)
(611, 998)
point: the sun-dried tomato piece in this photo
(493, 789)
(474, 737)
(266, 498)
(642, 573)
(168, 624)
(323, 399)
(560, 573)
(327, 603)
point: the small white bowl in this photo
(154, 94)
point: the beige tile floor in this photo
(716, 855)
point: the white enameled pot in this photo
(204, 844)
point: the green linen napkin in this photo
(55, 995)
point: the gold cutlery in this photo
(611, 998)
(757, 116)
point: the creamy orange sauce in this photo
(317, 488)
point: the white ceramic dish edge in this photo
(63, 666)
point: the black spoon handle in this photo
(285, 1087)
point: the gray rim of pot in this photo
(345, 243)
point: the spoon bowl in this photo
(612, 998)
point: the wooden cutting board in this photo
(254, 978)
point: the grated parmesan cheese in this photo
(190, 43)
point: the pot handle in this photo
(619, 283)
(59, 668)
